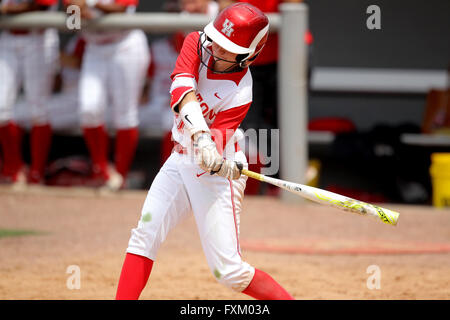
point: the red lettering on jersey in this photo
(211, 114)
(205, 110)
(180, 126)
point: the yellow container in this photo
(313, 173)
(440, 177)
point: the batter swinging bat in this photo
(330, 198)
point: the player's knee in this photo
(126, 119)
(125, 124)
(144, 243)
(236, 278)
(91, 118)
(40, 117)
(5, 117)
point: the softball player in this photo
(62, 105)
(28, 58)
(114, 66)
(211, 93)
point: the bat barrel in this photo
(330, 198)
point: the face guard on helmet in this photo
(241, 29)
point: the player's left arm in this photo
(117, 6)
(223, 128)
(22, 7)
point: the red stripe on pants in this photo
(234, 216)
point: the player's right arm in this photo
(183, 99)
(205, 149)
(185, 104)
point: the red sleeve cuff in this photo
(178, 94)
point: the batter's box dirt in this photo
(90, 230)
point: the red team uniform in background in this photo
(111, 80)
(28, 58)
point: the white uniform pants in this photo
(113, 74)
(179, 189)
(31, 60)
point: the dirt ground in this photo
(315, 252)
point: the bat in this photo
(330, 198)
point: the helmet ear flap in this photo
(241, 57)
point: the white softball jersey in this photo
(28, 58)
(181, 187)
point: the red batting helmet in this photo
(240, 28)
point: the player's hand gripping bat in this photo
(330, 198)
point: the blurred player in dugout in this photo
(28, 58)
(112, 75)
(63, 104)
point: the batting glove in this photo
(206, 154)
(230, 170)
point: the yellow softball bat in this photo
(330, 198)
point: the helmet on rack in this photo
(241, 29)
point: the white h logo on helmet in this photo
(227, 27)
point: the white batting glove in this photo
(205, 151)
(230, 169)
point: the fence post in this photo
(292, 95)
